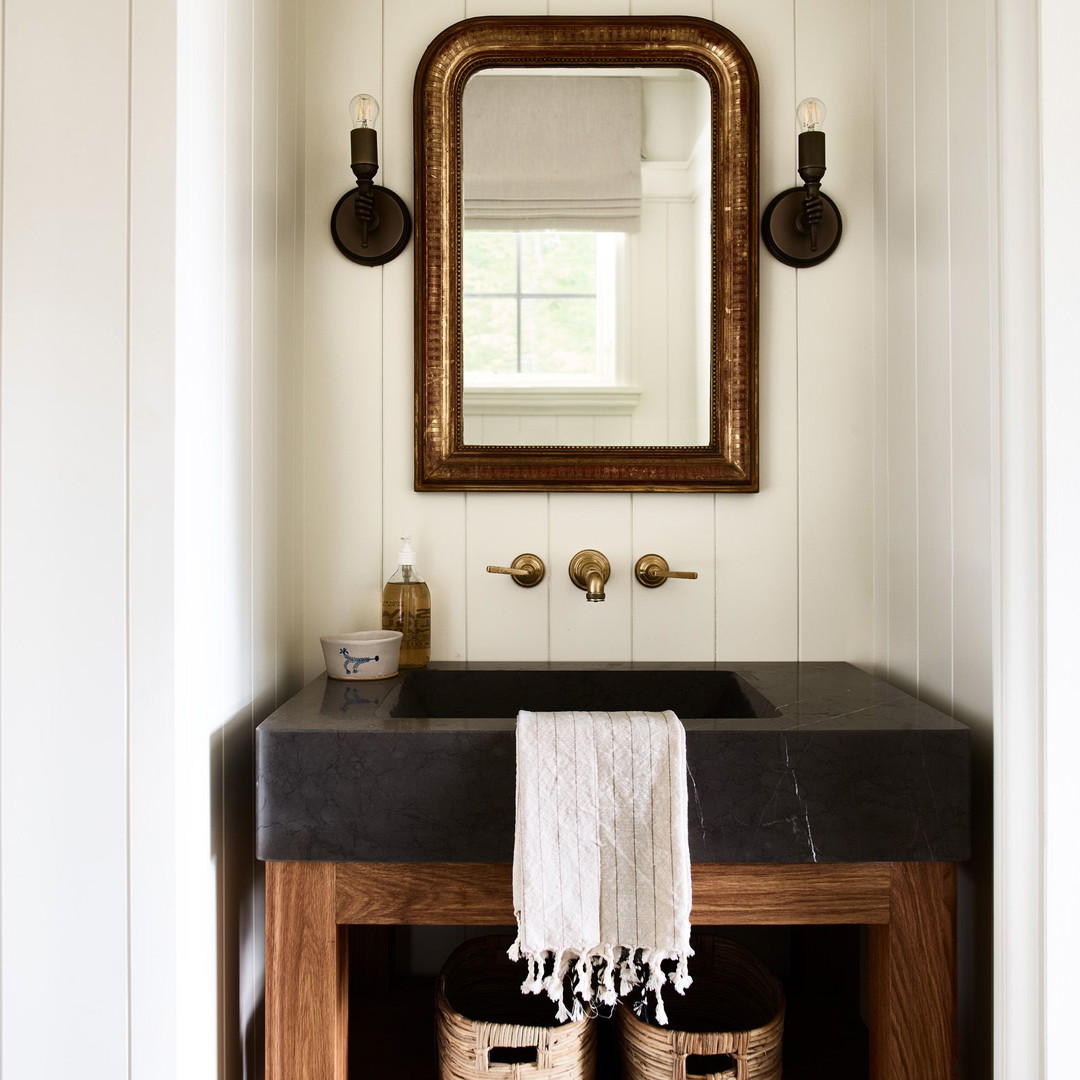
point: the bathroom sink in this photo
(488, 694)
(787, 762)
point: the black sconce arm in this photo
(802, 226)
(370, 224)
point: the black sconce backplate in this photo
(385, 242)
(779, 229)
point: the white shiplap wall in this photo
(147, 491)
(784, 573)
(936, 364)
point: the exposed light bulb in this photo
(810, 113)
(363, 111)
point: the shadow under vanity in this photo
(820, 796)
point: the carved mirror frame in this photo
(729, 461)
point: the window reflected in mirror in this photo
(586, 213)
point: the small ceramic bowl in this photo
(366, 654)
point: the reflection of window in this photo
(540, 307)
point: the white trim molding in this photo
(1060, 162)
(1019, 960)
(551, 400)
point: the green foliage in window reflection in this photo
(490, 262)
(490, 334)
(554, 262)
(558, 336)
(506, 330)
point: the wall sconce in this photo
(802, 226)
(371, 224)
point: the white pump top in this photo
(406, 556)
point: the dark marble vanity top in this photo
(788, 762)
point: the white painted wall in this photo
(147, 492)
(784, 573)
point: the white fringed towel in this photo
(601, 856)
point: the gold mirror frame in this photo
(729, 462)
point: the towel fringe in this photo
(594, 977)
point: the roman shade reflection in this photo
(552, 151)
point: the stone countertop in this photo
(836, 766)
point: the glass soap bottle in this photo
(406, 606)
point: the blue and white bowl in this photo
(366, 654)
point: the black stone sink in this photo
(786, 762)
(482, 693)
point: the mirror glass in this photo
(586, 212)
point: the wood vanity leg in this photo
(307, 983)
(913, 977)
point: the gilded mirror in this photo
(586, 261)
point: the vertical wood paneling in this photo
(757, 535)
(505, 621)
(701, 8)
(879, 30)
(581, 629)
(933, 341)
(676, 621)
(935, 133)
(971, 286)
(835, 341)
(286, 308)
(63, 483)
(343, 338)
(437, 520)
(902, 421)
(476, 8)
(598, 7)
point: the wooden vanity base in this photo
(909, 907)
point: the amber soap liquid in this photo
(406, 606)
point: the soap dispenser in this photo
(406, 606)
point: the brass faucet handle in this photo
(527, 570)
(652, 571)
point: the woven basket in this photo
(481, 1016)
(733, 1014)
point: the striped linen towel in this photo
(601, 856)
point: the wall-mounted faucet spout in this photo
(589, 570)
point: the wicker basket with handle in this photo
(731, 1021)
(486, 1027)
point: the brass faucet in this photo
(589, 570)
